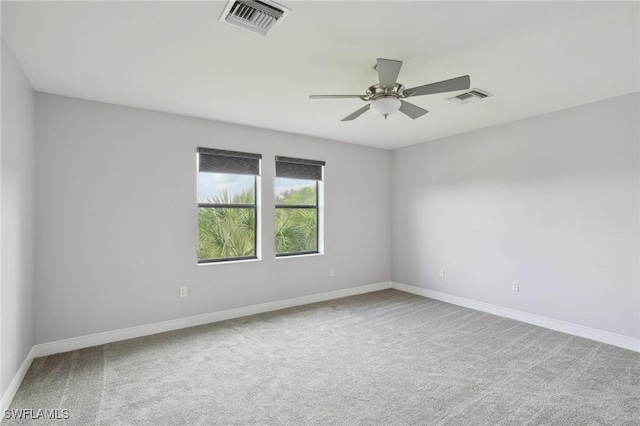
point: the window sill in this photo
(295, 256)
(226, 262)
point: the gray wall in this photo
(550, 201)
(17, 223)
(117, 220)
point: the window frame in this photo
(315, 206)
(255, 207)
(318, 206)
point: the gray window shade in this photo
(297, 168)
(221, 161)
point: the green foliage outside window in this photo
(227, 232)
(303, 196)
(296, 229)
(230, 232)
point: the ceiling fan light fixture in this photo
(386, 105)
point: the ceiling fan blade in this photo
(357, 114)
(412, 110)
(458, 83)
(388, 71)
(334, 96)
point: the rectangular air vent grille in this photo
(257, 16)
(471, 95)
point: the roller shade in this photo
(221, 161)
(298, 168)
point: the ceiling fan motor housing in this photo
(377, 91)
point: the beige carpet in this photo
(384, 358)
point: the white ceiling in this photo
(535, 57)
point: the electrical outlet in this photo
(331, 272)
(183, 292)
(515, 286)
(441, 273)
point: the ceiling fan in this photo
(387, 96)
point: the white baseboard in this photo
(75, 343)
(553, 324)
(15, 383)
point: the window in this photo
(298, 188)
(228, 183)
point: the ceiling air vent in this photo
(471, 95)
(257, 16)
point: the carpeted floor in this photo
(384, 358)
